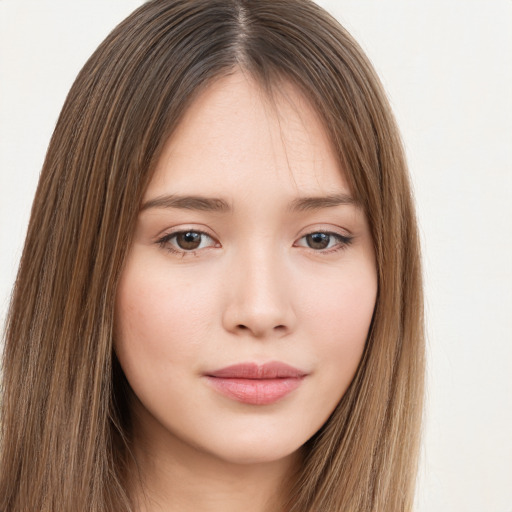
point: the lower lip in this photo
(255, 391)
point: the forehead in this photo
(236, 138)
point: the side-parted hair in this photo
(65, 426)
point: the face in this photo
(246, 299)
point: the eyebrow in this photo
(213, 204)
(317, 203)
(206, 204)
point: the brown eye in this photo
(188, 240)
(318, 240)
(184, 242)
(324, 242)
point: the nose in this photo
(259, 297)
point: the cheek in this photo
(339, 319)
(343, 307)
(160, 321)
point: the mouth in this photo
(255, 384)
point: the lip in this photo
(256, 384)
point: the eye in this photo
(186, 241)
(324, 241)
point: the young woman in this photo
(219, 302)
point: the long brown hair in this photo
(65, 438)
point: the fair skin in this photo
(273, 265)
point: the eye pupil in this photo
(188, 240)
(318, 240)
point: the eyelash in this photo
(164, 242)
(343, 241)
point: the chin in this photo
(258, 450)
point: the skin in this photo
(253, 290)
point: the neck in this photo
(173, 476)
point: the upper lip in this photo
(270, 370)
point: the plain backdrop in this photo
(447, 67)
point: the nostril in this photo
(279, 328)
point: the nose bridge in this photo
(259, 299)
